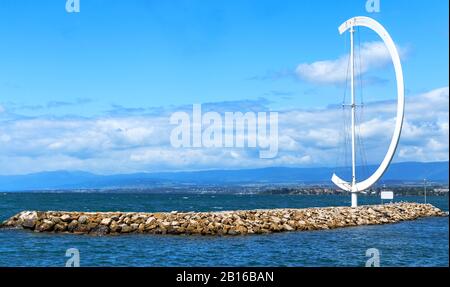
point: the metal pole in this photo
(352, 87)
(425, 189)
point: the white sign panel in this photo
(387, 195)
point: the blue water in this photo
(422, 242)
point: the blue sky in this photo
(115, 60)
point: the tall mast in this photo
(353, 186)
(353, 106)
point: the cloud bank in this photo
(373, 55)
(121, 142)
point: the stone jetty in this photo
(218, 223)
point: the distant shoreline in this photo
(399, 174)
(432, 190)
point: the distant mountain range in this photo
(397, 173)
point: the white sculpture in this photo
(354, 187)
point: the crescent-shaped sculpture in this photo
(379, 29)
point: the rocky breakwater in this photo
(218, 223)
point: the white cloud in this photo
(373, 55)
(116, 144)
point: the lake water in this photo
(422, 242)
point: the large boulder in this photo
(66, 218)
(83, 219)
(99, 230)
(72, 225)
(28, 219)
(106, 221)
(114, 227)
(46, 225)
